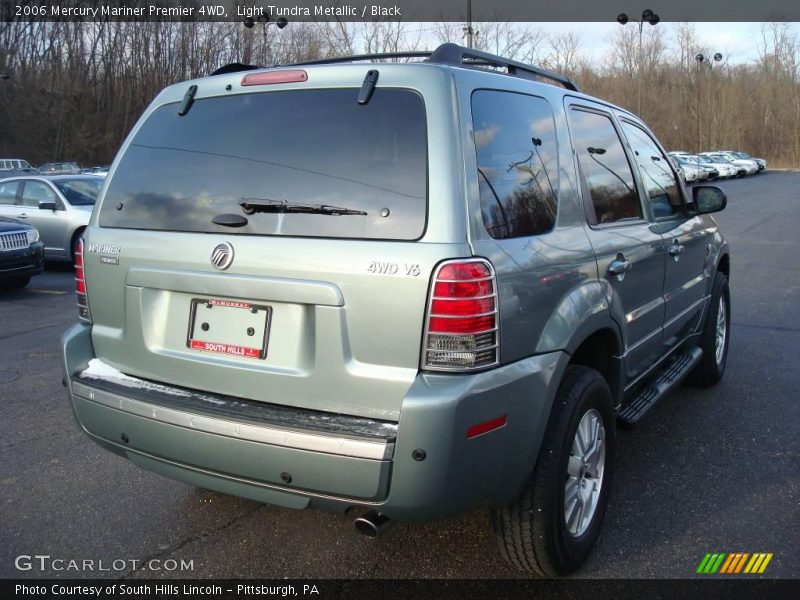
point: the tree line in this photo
(72, 91)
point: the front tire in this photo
(551, 528)
(715, 338)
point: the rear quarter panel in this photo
(550, 296)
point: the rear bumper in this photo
(22, 263)
(356, 464)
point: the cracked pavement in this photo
(707, 470)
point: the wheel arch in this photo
(601, 349)
(73, 238)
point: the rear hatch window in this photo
(296, 157)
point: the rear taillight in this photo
(461, 327)
(80, 285)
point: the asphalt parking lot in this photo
(714, 470)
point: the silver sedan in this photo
(59, 207)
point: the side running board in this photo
(666, 380)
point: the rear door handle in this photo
(676, 249)
(22, 216)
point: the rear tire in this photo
(715, 339)
(541, 532)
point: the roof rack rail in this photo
(453, 54)
(445, 54)
(358, 57)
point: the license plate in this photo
(229, 327)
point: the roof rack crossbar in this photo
(453, 54)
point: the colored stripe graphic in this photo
(753, 562)
(740, 563)
(702, 566)
(718, 562)
(728, 562)
(765, 563)
(734, 563)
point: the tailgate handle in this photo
(275, 289)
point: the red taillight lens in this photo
(461, 325)
(272, 77)
(80, 285)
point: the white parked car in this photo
(750, 166)
(762, 164)
(724, 169)
(692, 171)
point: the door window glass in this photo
(35, 192)
(657, 177)
(605, 168)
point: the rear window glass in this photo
(80, 192)
(308, 150)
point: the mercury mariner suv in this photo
(396, 290)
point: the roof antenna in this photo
(368, 87)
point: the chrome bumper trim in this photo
(288, 438)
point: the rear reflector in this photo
(486, 427)
(272, 77)
(80, 285)
(461, 331)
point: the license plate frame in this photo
(225, 348)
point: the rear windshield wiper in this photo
(259, 205)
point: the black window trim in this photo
(586, 196)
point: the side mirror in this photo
(708, 199)
(47, 205)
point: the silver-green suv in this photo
(396, 290)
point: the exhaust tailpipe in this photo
(372, 523)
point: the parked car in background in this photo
(740, 170)
(712, 171)
(677, 168)
(750, 167)
(691, 170)
(21, 253)
(13, 164)
(63, 168)
(725, 169)
(762, 164)
(101, 171)
(16, 166)
(58, 206)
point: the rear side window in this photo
(515, 146)
(605, 168)
(308, 149)
(8, 192)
